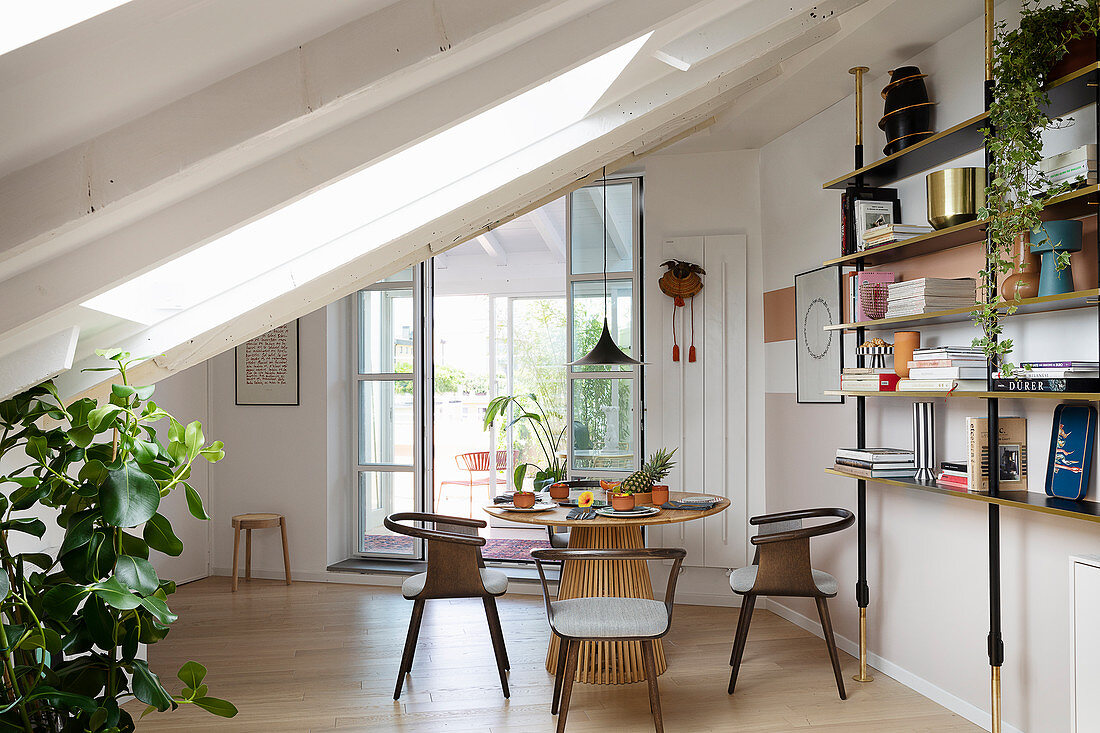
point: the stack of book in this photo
(891, 233)
(916, 297)
(1051, 376)
(876, 462)
(1078, 165)
(946, 368)
(867, 379)
(953, 474)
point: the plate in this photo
(641, 511)
(539, 507)
(697, 500)
(571, 502)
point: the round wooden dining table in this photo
(608, 662)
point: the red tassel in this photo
(691, 351)
(675, 344)
(679, 302)
(676, 352)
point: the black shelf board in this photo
(1068, 93)
(1026, 500)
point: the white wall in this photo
(928, 617)
(699, 194)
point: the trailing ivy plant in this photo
(1018, 191)
(72, 620)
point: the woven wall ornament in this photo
(682, 282)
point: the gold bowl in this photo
(954, 196)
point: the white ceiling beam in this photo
(622, 246)
(490, 242)
(551, 237)
(67, 268)
(777, 20)
(35, 363)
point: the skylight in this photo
(27, 22)
(339, 222)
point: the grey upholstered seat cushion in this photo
(743, 579)
(603, 618)
(495, 582)
(559, 540)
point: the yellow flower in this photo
(585, 499)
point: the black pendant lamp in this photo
(605, 352)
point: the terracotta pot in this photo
(643, 498)
(660, 494)
(905, 343)
(1025, 278)
(559, 491)
(622, 502)
(523, 500)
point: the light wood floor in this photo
(319, 657)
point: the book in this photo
(975, 372)
(941, 385)
(877, 455)
(870, 382)
(1050, 374)
(1060, 365)
(877, 472)
(1082, 153)
(954, 474)
(865, 370)
(1084, 384)
(869, 214)
(857, 463)
(1011, 458)
(959, 466)
(948, 352)
(926, 363)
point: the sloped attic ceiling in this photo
(194, 224)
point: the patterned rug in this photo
(493, 549)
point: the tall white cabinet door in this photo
(1086, 643)
(700, 407)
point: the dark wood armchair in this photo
(607, 619)
(455, 570)
(782, 568)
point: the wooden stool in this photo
(249, 522)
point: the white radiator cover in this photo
(1085, 608)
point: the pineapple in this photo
(652, 471)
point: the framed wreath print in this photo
(267, 368)
(818, 353)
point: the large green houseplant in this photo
(528, 410)
(73, 620)
(1018, 191)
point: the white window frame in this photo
(637, 373)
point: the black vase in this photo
(907, 112)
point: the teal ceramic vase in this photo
(1048, 240)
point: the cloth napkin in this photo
(700, 505)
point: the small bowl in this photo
(912, 121)
(523, 500)
(895, 83)
(622, 502)
(901, 143)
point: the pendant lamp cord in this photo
(605, 215)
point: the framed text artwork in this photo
(267, 368)
(818, 353)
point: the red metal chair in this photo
(478, 462)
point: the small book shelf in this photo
(1072, 91)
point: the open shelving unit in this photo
(1026, 500)
(1072, 91)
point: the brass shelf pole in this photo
(994, 642)
(863, 594)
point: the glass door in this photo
(604, 401)
(388, 411)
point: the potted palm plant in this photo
(528, 410)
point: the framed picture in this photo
(818, 353)
(267, 368)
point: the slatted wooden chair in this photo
(455, 570)
(608, 619)
(782, 568)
